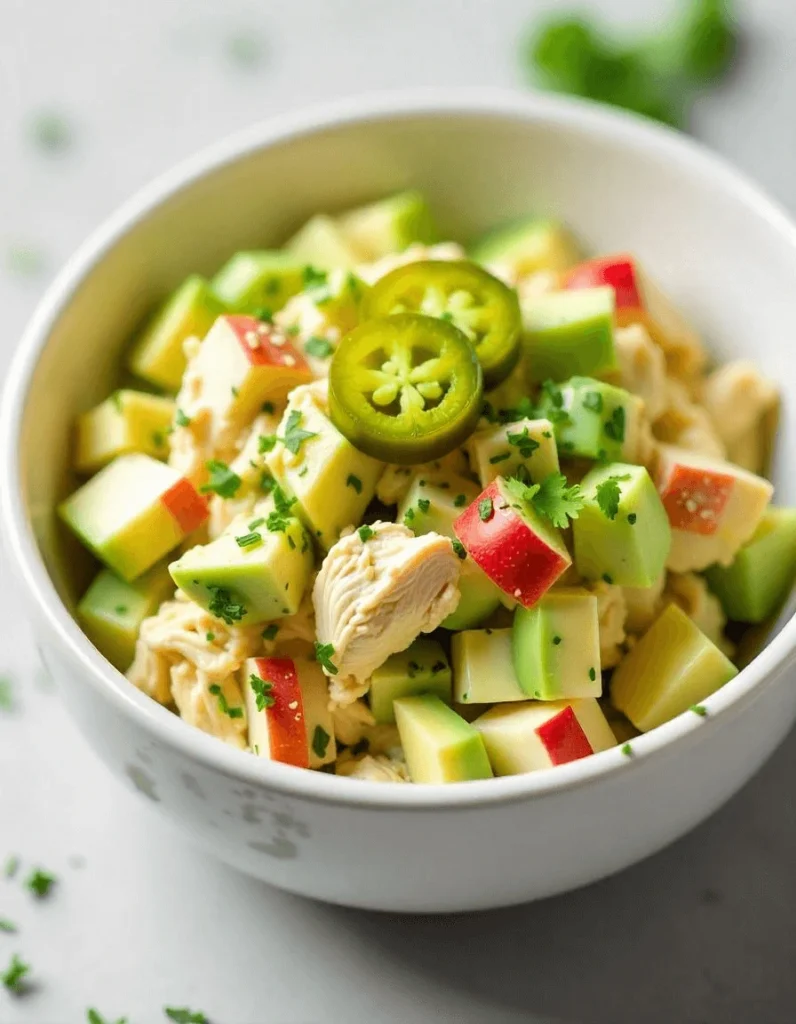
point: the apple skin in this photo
(515, 557)
(287, 728)
(694, 497)
(187, 506)
(621, 273)
(264, 345)
(563, 738)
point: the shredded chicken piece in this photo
(686, 424)
(642, 367)
(300, 626)
(691, 593)
(743, 405)
(354, 723)
(373, 597)
(643, 605)
(372, 769)
(371, 272)
(150, 672)
(686, 357)
(395, 481)
(611, 612)
(205, 701)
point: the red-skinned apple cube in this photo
(294, 724)
(713, 507)
(518, 551)
(528, 736)
(620, 273)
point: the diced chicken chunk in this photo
(686, 424)
(742, 405)
(691, 593)
(611, 614)
(373, 769)
(642, 367)
(373, 597)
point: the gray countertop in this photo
(701, 933)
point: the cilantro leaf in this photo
(608, 494)
(262, 692)
(320, 741)
(182, 1015)
(424, 505)
(14, 976)
(294, 436)
(223, 481)
(323, 655)
(223, 704)
(279, 518)
(523, 441)
(40, 882)
(223, 607)
(552, 498)
(318, 347)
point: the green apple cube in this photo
(321, 243)
(759, 580)
(127, 421)
(111, 611)
(483, 667)
(421, 668)
(256, 571)
(438, 744)
(533, 735)
(527, 246)
(431, 505)
(622, 534)
(672, 668)
(336, 297)
(389, 225)
(556, 646)
(250, 282)
(133, 512)
(157, 355)
(525, 449)
(569, 331)
(333, 481)
(594, 420)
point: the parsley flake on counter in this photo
(40, 882)
(294, 435)
(223, 704)
(318, 347)
(223, 607)
(223, 481)
(14, 976)
(486, 509)
(365, 533)
(320, 741)
(269, 633)
(95, 1017)
(7, 926)
(182, 1015)
(51, 131)
(261, 688)
(355, 482)
(323, 655)
(6, 694)
(11, 867)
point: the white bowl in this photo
(726, 254)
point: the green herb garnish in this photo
(6, 694)
(181, 419)
(269, 633)
(249, 540)
(318, 347)
(223, 481)
(323, 655)
(631, 518)
(223, 705)
(222, 606)
(615, 426)
(522, 440)
(11, 867)
(294, 436)
(552, 498)
(699, 709)
(627, 750)
(40, 882)
(182, 1015)
(355, 482)
(501, 457)
(486, 509)
(95, 1017)
(266, 443)
(268, 407)
(320, 741)
(14, 976)
(210, 637)
(592, 674)
(279, 519)
(262, 692)
(365, 533)
(459, 549)
(314, 278)
(7, 926)
(593, 401)
(609, 495)
(424, 505)
(460, 500)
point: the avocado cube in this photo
(672, 668)
(527, 737)
(321, 243)
(438, 744)
(389, 225)
(527, 246)
(256, 571)
(421, 668)
(127, 421)
(483, 667)
(594, 420)
(525, 449)
(431, 505)
(157, 355)
(111, 611)
(622, 534)
(569, 332)
(556, 646)
(251, 282)
(333, 481)
(759, 580)
(337, 300)
(133, 512)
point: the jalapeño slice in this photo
(405, 388)
(481, 306)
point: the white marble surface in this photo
(701, 934)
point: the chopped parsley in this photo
(7, 926)
(459, 549)
(264, 314)
(556, 640)
(158, 438)
(181, 419)
(260, 521)
(631, 518)
(318, 347)
(365, 533)
(460, 500)
(269, 408)
(261, 688)
(607, 578)
(14, 976)
(279, 519)
(323, 655)
(608, 494)
(223, 705)
(523, 441)
(267, 482)
(552, 498)
(424, 505)
(355, 482)
(6, 694)
(210, 637)
(249, 540)
(486, 509)
(121, 609)
(11, 867)
(294, 435)
(413, 668)
(95, 1017)
(699, 709)
(593, 401)
(438, 666)
(223, 481)
(223, 607)
(320, 741)
(266, 443)
(409, 515)
(615, 426)
(182, 1015)
(314, 278)
(40, 883)
(269, 633)
(500, 457)
(592, 673)
(627, 750)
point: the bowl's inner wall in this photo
(725, 265)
